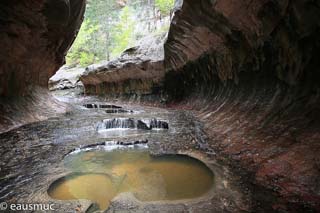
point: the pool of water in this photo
(100, 175)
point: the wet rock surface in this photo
(101, 106)
(38, 105)
(118, 111)
(35, 159)
(111, 109)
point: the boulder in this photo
(66, 78)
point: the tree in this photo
(164, 6)
(105, 14)
(82, 50)
(111, 26)
(122, 33)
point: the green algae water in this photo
(100, 175)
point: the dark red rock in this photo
(35, 36)
(250, 71)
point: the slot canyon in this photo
(232, 91)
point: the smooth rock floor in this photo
(32, 158)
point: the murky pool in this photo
(100, 175)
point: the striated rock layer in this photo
(35, 36)
(250, 70)
(38, 105)
(139, 71)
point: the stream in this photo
(36, 157)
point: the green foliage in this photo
(110, 27)
(82, 51)
(93, 42)
(164, 6)
(122, 32)
(86, 58)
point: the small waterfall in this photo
(101, 126)
(111, 111)
(101, 106)
(131, 123)
(157, 124)
(111, 145)
(91, 106)
(123, 123)
(105, 106)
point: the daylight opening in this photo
(115, 33)
(112, 26)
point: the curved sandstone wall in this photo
(250, 70)
(35, 37)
